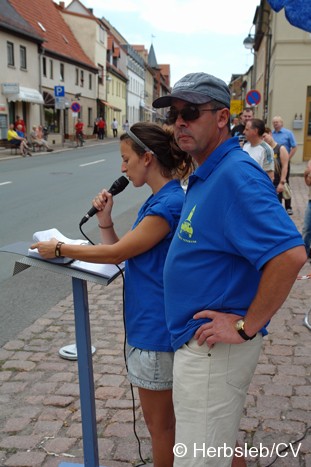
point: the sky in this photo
(190, 35)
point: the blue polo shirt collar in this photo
(204, 171)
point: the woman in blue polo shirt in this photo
(149, 156)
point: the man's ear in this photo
(223, 117)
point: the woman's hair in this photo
(145, 136)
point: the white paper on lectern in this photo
(105, 270)
(45, 235)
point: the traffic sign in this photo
(253, 97)
(60, 103)
(236, 106)
(59, 91)
(75, 107)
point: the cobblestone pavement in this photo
(40, 421)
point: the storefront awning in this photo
(149, 109)
(107, 104)
(26, 95)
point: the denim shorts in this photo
(148, 369)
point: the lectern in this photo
(83, 342)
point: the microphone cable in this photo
(143, 462)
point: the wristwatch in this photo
(239, 326)
(57, 249)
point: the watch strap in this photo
(58, 249)
(245, 336)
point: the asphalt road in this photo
(43, 192)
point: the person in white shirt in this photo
(257, 148)
(114, 127)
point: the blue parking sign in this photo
(59, 91)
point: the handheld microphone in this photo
(118, 185)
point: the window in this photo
(90, 81)
(77, 77)
(82, 78)
(102, 35)
(100, 74)
(51, 69)
(90, 116)
(23, 58)
(44, 66)
(62, 72)
(10, 49)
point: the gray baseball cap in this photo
(197, 88)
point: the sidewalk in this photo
(5, 154)
(40, 423)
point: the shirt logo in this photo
(186, 229)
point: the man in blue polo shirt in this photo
(285, 137)
(232, 262)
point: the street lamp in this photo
(249, 42)
(252, 42)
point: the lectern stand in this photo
(83, 343)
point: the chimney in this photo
(62, 5)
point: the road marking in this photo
(91, 163)
(5, 183)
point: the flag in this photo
(297, 12)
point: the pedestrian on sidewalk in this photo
(281, 159)
(26, 148)
(114, 127)
(20, 121)
(257, 148)
(95, 129)
(18, 141)
(126, 125)
(37, 140)
(101, 125)
(228, 270)
(149, 156)
(285, 137)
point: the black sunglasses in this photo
(188, 114)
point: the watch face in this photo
(239, 325)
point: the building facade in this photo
(63, 63)
(20, 71)
(281, 74)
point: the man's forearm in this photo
(277, 279)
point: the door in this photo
(307, 138)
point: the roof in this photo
(76, 8)
(49, 23)
(12, 21)
(143, 52)
(152, 60)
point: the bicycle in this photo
(79, 139)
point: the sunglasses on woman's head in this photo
(188, 113)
